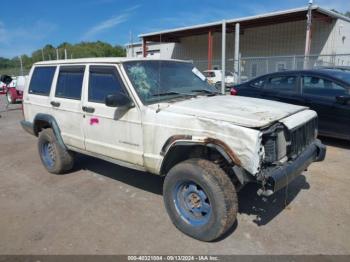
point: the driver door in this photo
(110, 131)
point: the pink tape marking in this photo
(93, 121)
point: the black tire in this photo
(55, 158)
(219, 194)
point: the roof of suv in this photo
(106, 60)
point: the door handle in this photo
(55, 104)
(88, 109)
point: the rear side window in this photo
(282, 83)
(40, 83)
(70, 82)
(103, 81)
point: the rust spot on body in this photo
(226, 148)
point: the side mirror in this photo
(118, 100)
(345, 99)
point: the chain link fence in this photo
(251, 67)
(248, 67)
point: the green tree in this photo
(79, 50)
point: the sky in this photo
(28, 25)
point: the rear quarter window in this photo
(41, 81)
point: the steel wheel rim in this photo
(48, 154)
(192, 203)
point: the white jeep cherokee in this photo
(161, 116)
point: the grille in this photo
(301, 137)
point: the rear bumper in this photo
(28, 126)
(280, 176)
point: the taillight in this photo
(233, 91)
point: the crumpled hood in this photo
(239, 110)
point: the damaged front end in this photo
(288, 152)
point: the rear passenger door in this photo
(111, 131)
(66, 104)
(283, 88)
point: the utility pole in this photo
(65, 54)
(131, 44)
(21, 63)
(223, 56)
(42, 54)
(57, 56)
(236, 55)
(308, 34)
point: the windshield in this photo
(157, 80)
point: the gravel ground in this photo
(102, 208)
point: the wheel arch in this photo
(43, 121)
(180, 147)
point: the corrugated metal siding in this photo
(272, 40)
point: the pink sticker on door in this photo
(93, 121)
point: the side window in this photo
(282, 83)
(313, 85)
(40, 83)
(103, 81)
(70, 82)
(258, 83)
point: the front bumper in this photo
(28, 126)
(278, 177)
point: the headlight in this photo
(275, 144)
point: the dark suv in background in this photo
(326, 91)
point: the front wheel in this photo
(200, 199)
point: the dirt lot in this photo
(101, 208)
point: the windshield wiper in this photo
(205, 91)
(173, 93)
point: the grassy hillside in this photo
(48, 52)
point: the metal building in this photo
(257, 44)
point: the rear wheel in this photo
(200, 199)
(54, 157)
